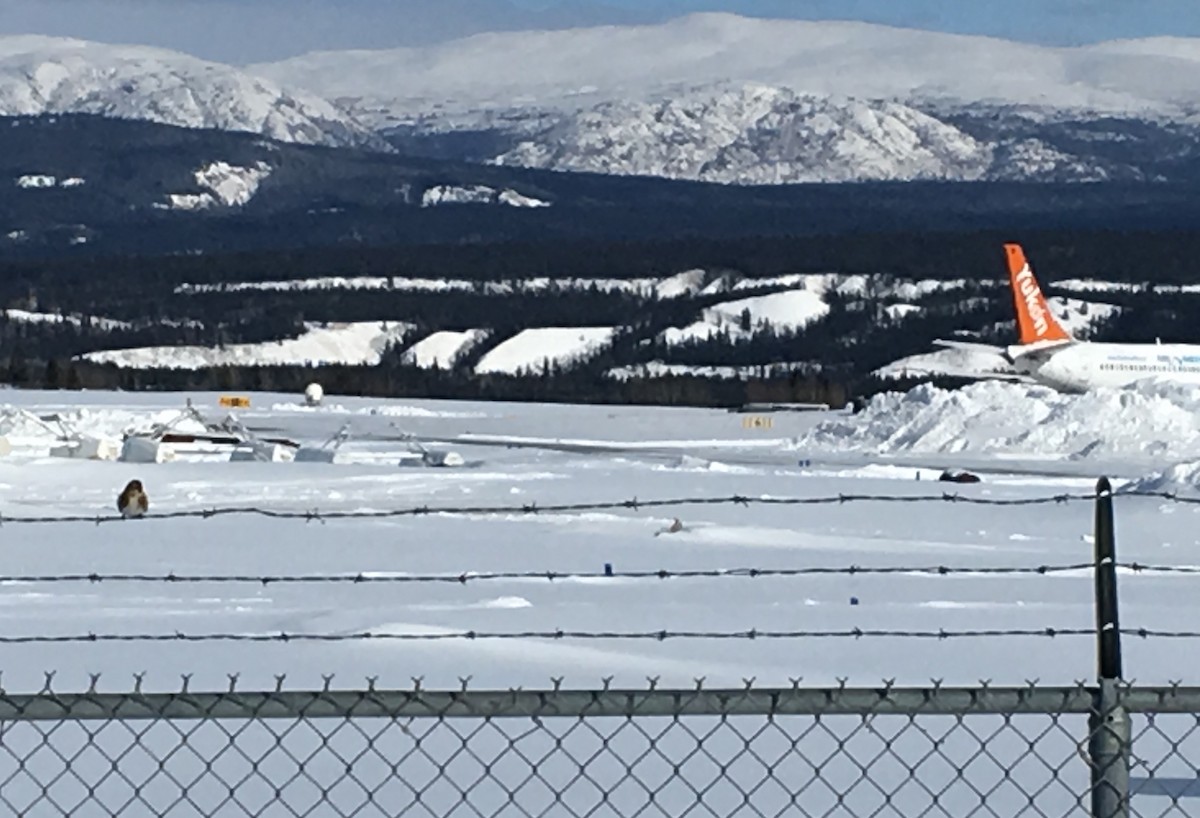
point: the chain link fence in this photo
(938, 751)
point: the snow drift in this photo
(1148, 419)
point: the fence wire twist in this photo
(843, 751)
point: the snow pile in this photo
(1179, 478)
(477, 194)
(532, 349)
(990, 417)
(226, 184)
(443, 349)
(361, 343)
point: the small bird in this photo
(132, 502)
(674, 528)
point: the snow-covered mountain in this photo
(762, 135)
(485, 77)
(712, 97)
(41, 75)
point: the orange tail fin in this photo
(1034, 319)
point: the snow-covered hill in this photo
(489, 76)
(40, 75)
(355, 343)
(757, 134)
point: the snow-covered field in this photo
(523, 455)
(500, 513)
(361, 342)
(529, 349)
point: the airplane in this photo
(1048, 354)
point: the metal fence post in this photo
(1108, 725)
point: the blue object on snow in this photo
(608, 569)
(853, 600)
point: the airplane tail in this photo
(1035, 322)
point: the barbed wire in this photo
(558, 635)
(552, 576)
(634, 504)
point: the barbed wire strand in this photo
(629, 505)
(552, 576)
(655, 636)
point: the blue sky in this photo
(242, 31)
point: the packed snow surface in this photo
(556, 454)
(355, 343)
(531, 349)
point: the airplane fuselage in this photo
(1082, 366)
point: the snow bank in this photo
(1181, 478)
(991, 417)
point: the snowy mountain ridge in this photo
(50, 75)
(578, 68)
(709, 97)
(763, 135)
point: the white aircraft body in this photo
(1048, 354)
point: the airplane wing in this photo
(968, 345)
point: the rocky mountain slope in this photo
(764, 135)
(40, 75)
